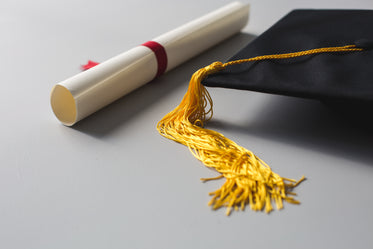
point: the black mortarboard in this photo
(322, 54)
(326, 76)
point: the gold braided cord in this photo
(348, 48)
(249, 180)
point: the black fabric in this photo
(332, 76)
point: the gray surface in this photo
(113, 182)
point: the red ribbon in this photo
(160, 54)
(158, 50)
(89, 65)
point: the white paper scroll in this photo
(83, 94)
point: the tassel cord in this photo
(249, 180)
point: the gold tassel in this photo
(249, 180)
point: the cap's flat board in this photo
(338, 76)
(113, 182)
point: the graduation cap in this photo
(321, 54)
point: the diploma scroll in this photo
(83, 94)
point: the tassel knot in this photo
(215, 67)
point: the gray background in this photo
(112, 182)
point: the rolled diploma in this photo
(85, 93)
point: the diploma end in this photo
(63, 105)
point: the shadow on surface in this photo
(332, 128)
(118, 113)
